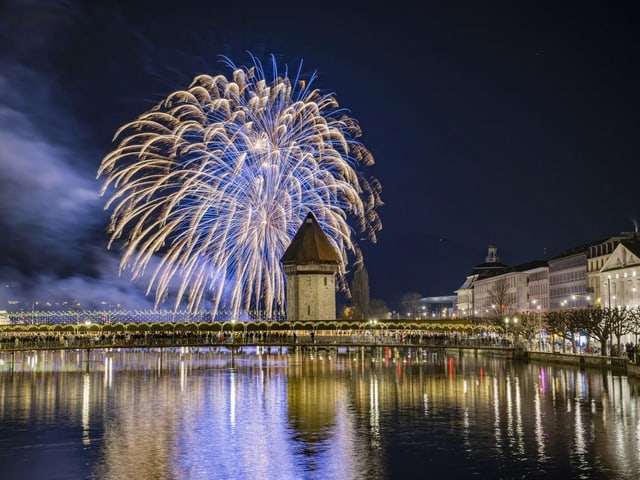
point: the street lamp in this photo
(506, 322)
(538, 309)
(540, 326)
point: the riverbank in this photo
(619, 364)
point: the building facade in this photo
(437, 307)
(605, 272)
(464, 296)
(597, 256)
(538, 288)
(502, 294)
(568, 280)
(620, 276)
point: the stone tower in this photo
(310, 264)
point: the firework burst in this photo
(215, 180)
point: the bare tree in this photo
(621, 320)
(528, 325)
(410, 303)
(634, 314)
(499, 296)
(597, 325)
(378, 309)
(558, 325)
(579, 321)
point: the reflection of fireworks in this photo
(217, 179)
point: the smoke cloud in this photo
(52, 221)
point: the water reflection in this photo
(291, 415)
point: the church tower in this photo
(310, 264)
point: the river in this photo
(384, 414)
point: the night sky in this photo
(512, 124)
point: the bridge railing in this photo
(25, 341)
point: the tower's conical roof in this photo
(310, 245)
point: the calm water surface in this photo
(391, 415)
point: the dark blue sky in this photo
(514, 123)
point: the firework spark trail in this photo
(217, 179)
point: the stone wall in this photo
(593, 361)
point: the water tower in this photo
(310, 264)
